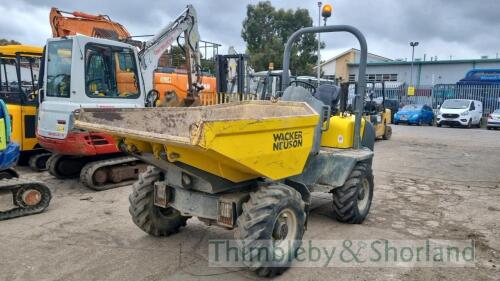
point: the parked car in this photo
(494, 120)
(414, 114)
(460, 112)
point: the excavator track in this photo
(30, 197)
(38, 162)
(111, 173)
(64, 166)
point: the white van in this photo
(460, 112)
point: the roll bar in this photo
(361, 74)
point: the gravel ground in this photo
(430, 183)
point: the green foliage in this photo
(176, 58)
(266, 30)
(4, 42)
(208, 65)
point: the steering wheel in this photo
(97, 83)
(304, 84)
(62, 77)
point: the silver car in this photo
(494, 120)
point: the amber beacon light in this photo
(326, 12)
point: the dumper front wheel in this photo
(152, 219)
(352, 201)
(270, 229)
(387, 132)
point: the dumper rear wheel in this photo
(152, 219)
(272, 219)
(352, 201)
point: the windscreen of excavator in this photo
(59, 68)
(110, 72)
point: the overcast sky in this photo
(444, 28)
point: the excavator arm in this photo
(71, 23)
(186, 23)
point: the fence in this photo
(435, 95)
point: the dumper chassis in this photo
(222, 166)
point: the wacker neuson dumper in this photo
(249, 166)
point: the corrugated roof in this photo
(346, 52)
(428, 62)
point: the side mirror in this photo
(151, 98)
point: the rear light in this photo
(162, 194)
(489, 116)
(226, 213)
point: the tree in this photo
(176, 58)
(266, 30)
(4, 42)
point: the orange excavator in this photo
(171, 84)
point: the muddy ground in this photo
(430, 182)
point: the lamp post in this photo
(319, 42)
(413, 45)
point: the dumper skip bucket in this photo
(236, 141)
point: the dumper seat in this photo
(329, 95)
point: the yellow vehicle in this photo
(378, 114)
(374, 112)
(19, 65)
(249, 165)
(380, 118)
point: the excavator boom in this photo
(71, 23)
(149, 56)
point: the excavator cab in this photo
(81, 70)
(89, 72)
(19, 67)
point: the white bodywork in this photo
(54, 112)
(463, 116)
(494, 119)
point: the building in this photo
(337, 67)
(425, 73)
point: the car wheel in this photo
(469, 125)
(419, 123)
(438, 124)
(489, 128)
(479, 123)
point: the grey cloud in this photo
(459, 28)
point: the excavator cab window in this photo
(59, 68)
(110, 72)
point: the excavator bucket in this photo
(236, 141)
